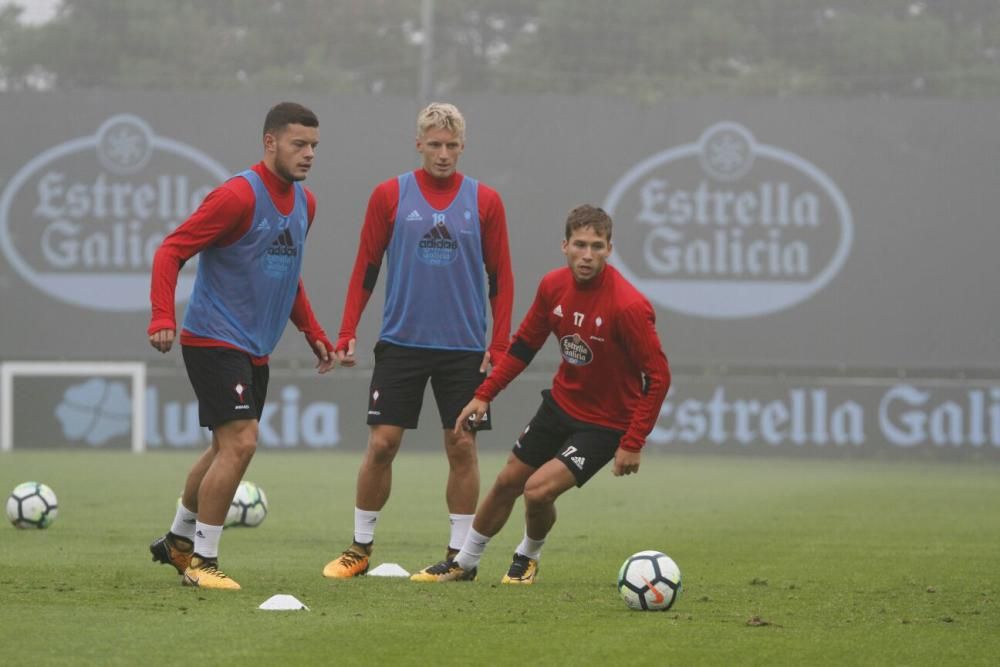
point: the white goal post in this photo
(11, 369)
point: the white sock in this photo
(472, 550)
(206, 540)
(530, 548)
(184, 522)
(364, 526)
(460, 526)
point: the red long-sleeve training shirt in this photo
(609, 345)
(376, 233)
(223, 218)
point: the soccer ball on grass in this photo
(249, 506)
(649, 581)
(32, 505)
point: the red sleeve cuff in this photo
(321, 337)
(343, 342)
(160, 325)
(631, 443)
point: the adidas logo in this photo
(438, 231)
(438, 237)
(558, 311)
(283, 245)
(199, 534)
(414, 215)
(263, 226)
(579, 461)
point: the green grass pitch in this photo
(785, 562)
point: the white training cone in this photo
(388, 570)
(282, 603)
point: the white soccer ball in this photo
(32, 505)
(649, 581)
(249, 506)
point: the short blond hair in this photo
(442, 116)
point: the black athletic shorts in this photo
(227, 384)
(552, 434)
(400, 378)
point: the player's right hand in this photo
(471, 415)
(346, 357)
(162, 340)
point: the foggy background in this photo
(873, 327)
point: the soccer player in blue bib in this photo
(250, 235)
(444, 238)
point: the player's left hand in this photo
(325, 359)
(162, 340)
(626, 462)
(483, 367)
(345, 355)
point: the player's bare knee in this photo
(508, 485)
(381, 449)
(461, 451)
(246, 449)
(239, 438)
(463, 441)
(243, 442)
(539, 493)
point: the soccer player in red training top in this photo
(251, 234)
(445, 238)
(604, 400)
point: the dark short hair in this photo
(288, 113)
(589, 216)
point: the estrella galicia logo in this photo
(437, 247)
(575, 350)
(727, 227)
(280, 255)
(82, 220)
(95, 411)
